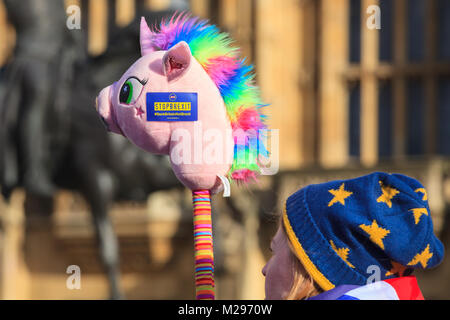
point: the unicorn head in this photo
(186, 55)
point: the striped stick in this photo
(203, 245)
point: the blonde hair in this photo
(303, 285)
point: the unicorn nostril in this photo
(105, 123)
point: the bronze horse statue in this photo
(50, 134)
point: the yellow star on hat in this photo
(422, 190)
(387, 194)
(397, 269)
(339, 195)
(376, 233)
(422, 257)
(342, 253)
(418, 212)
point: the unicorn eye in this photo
(130, 91)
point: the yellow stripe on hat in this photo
(321, 280)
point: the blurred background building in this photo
(347, 100)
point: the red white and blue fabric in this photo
(402, 288)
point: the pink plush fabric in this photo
(175, 70)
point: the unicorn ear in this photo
(177, 60)
(146, 37)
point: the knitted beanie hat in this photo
(342, 230)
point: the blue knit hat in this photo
(340, 229)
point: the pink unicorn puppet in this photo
(188, 56)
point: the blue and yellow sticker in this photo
(172, 106)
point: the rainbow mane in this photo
(235, 80)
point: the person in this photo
(353, 239)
